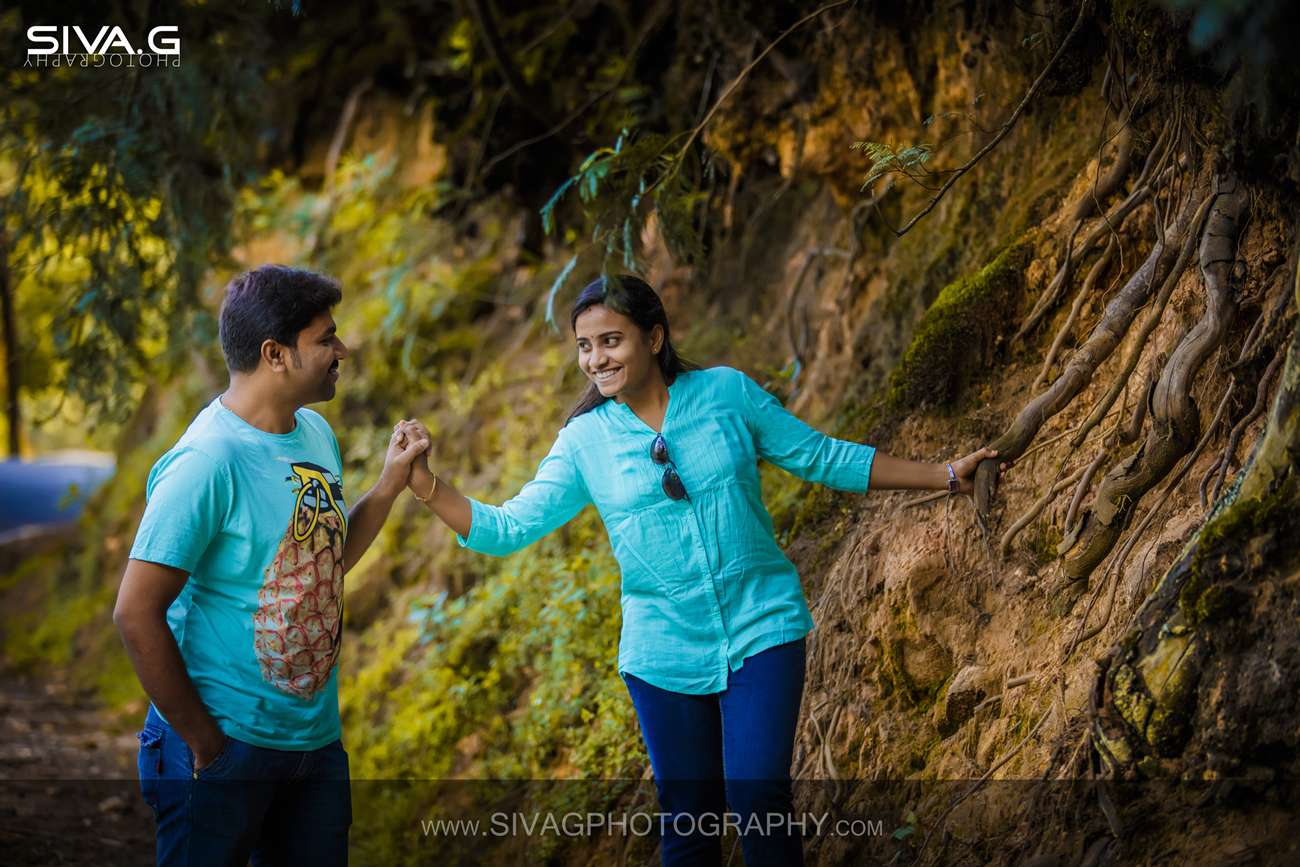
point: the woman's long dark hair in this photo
(632, 297)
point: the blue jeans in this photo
(733, 747)
(271, 806)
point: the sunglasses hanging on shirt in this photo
(671, 482)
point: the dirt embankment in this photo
(1110, 301)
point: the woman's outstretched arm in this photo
(554, 496)
(449, 504)
(895, 474)
(788, 442)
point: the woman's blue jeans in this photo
(728, 748)
(275, 807)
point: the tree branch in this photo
(1084, 8)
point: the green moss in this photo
(959, 333)
(894, 672)
(1170, 673)
(1167, 730)
(1221, 542)
(1157, 696)
(1130, 698)
(1149, 767)
(1130, 640)
(1215, 603)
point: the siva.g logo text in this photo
(64, 45)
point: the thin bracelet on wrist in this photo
(953, 485)
(425, 499)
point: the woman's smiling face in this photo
(614, 352)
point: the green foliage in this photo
(887, 160)
(619, 188)
(115, 208)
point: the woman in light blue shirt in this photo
(714, 617)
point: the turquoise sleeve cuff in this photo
(474, 539)
(866, 473)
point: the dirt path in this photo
(68, 788)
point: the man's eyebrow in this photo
(331, 331)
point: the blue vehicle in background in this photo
(48, 493)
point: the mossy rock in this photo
(960, 332)
(1131, 699)
(1223, 552)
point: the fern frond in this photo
(885, 159)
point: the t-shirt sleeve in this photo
(781, 438)
(553, 498)
(188, 496)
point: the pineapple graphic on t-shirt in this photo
(299, 620)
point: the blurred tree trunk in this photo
(11, 350)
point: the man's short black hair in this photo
(272, 302)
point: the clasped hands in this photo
(407, 460)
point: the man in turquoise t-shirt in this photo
(232, 602)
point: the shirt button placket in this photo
(714, 603)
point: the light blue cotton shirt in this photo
(258, 521)
(704, 583)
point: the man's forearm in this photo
(364, 523)
(158, 663)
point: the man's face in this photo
(314, 363)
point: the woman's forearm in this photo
(895, 474)
(450, 505)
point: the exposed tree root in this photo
(1104, 187)
(1258, 333)
(1174, 418)
(1138, 716)
(1121, 436)
(1085, 481)
(1105, 337)
(1152, 320)
(1098, 268)
(1117, 564)
(1037, 508)
(1134, 428)
(1109, 225)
